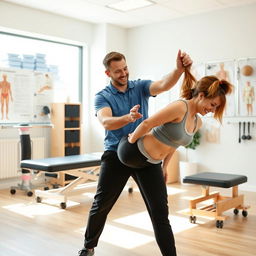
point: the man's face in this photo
(118, 72)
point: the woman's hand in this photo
(130, 138)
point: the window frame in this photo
(80, 57)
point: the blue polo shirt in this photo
(120, 104)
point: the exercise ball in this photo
(247, 70)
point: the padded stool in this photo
(220, 203)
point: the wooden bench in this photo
(220, 203)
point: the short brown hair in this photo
(112, 56)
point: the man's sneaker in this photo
(85, 252)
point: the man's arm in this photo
(111, 122)
(183, 61)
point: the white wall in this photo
(221, 35)
(42, 23)
(106, 38)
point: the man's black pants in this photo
(113, 177)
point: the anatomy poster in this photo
(43, 97)
(225, 70)
(246, 87)
(23, 95)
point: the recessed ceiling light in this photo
(128, 5)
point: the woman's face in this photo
(206, 105)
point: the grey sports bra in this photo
(175, 134)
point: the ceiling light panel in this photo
(128, 5)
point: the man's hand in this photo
(134, 113)
(183, 60)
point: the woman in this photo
(157, 137)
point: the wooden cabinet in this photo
(66, 133)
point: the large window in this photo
(62, 61)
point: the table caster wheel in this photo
(244, 213)
(63, 205)
(13, 191)
(38, 199)
(29, 193)
(192, 219)
(236, 211)
(219, 224)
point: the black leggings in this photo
(130, 155)
(112, 179)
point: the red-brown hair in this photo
(211, 86)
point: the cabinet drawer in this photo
(72, 124)
(72, 111)
(72, 136)
(72, 151)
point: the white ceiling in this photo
(95, 11)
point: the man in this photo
(117, 108)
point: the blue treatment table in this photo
(84, 167)
(220, 203)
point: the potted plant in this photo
(196, 140)
(187, 167)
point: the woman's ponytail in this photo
(186, 90)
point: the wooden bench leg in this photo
(220, 205)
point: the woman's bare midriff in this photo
(155, 148)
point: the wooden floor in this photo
(28, 228)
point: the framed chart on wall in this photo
(25, 96)
(246, 87)
(225, 70)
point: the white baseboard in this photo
(8, 183)
(246, 187)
